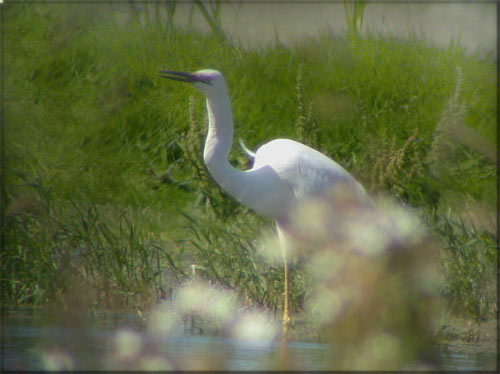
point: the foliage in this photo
(73, 251)
(211, 14)
(469, 255)
(91, 132)
(306, 127)
(354, 16)
(401, 171)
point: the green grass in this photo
(91, 135)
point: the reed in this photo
(101, 156)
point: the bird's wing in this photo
(308, 172)
(313, 176)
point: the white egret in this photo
(284, 175)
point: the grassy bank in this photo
(104, 195)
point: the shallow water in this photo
(35, 341)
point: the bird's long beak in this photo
(182, 77)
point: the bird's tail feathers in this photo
(248, 152)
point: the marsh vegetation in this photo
(106, 202)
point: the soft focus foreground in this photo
(376, 282)
(374, 300)
(375, 289)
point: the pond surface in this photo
(35, 341)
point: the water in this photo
(35, 341)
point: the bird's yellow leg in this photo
(286, 306)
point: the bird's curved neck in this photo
(220, 130)
(219, 141)
(260, 189)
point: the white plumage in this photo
(284, 175)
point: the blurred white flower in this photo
(269, 248)
(164, 322)
(127, 344)
(57, 360)
(222, 306)
(255, 327)
(325, 306)
(154, 363)
(203, 299)
(382, 348)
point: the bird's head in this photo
(208, 81)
